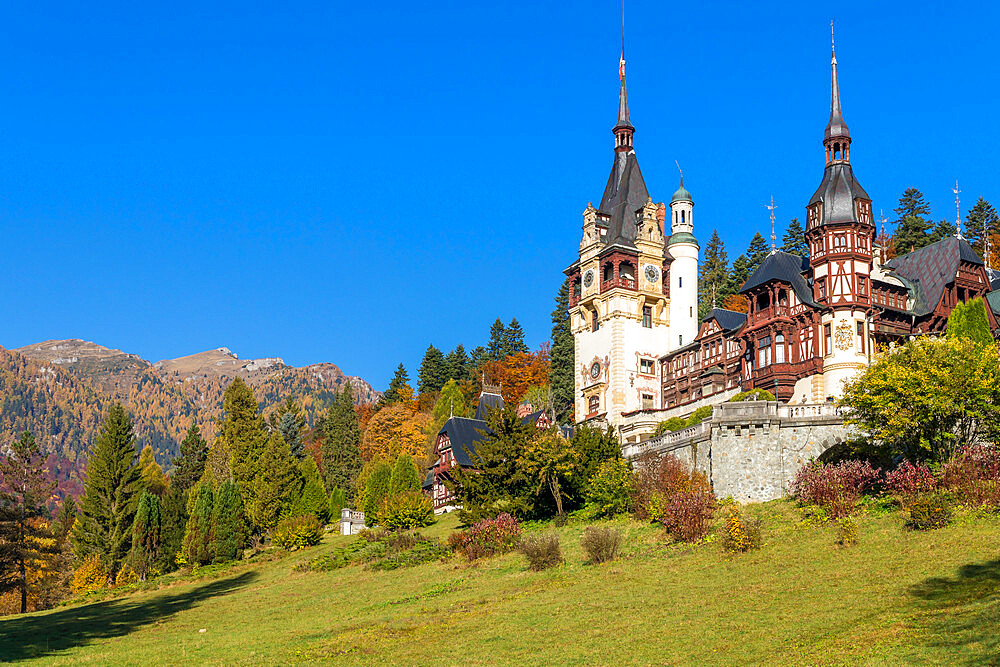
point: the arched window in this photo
(593, 405)
(779, 349)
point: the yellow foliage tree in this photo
(152, 474)
(395, 429)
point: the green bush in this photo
(929, 512)
(669, 426)
(600, 543)
(753, 395)
(298, 532)
(409, 509)
(423, 551)
(698, 416)
(542, 551)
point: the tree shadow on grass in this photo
(27, 637)
(961, 613)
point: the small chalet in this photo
(456, 444)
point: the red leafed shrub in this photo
(688, 514)
(909, 480)
(657, 478)
(973, 475)
(836, 488)
(487, 537)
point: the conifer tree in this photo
(912, 228)
(479, 356)
(969, 320)
(757, 252)
(794, 240)
(111, 492)
(561, 357)
(495, 346)
(739, 274)
(24, 544)
(152, 474)
(456, 364)
(513, 339)
(377, 487)
(173, 522)
(227, 536)
(341, 449)
(713, 283)
(146, 535)
(982, 218)
(190, 465)
(405, 476)
(313, 499)
(274, 486)
(67, 516)
(431, 376)
(338, 501)
(242, 431)
(942, 230)
(291, 431)
(399, 380)
(198, 536)
(451, 402)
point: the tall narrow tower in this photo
(840, 232)
(683, 248)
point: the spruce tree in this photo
(227, 536)
(313, 499)
(982, 219)
(495, 346)
(562, 357)
(172, 525)
(291, 431)
(794, 240)
(969, 320)
(152, 474)
(341, 449)
(942, 230)
(477, 358)
(338, 501)
(242, 431)
(377, 488)
(274, 486)
(451, 402)
(198, 535)
(405, 476)
(64, 520)
(456, 365)
(146, 535)
(739, 274)
(24, 543)
(713, 282)
(392, 394)
(513, 339)
(431, 376)
(757, 252)
(190, 465)
(111, 492)
(912, 228)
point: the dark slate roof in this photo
(624, 195)
(532, 418)
(429, 480)
(729, 320)
(787, 268)
(930, 269)
(837, 191)
(994, 277)
(488, 402)
(993, 301)
(464, 434)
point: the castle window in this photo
(779, 349)
(593, 405)
(594, 323)
(862, 285)
(828, 339)
(647, 401)
(647, 317)
(680, 340)
(680, 281)
(861, 337)
(840, 241)
(821, 288)
(646, 366)
(764, 352)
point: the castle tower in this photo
(619, 306)
(682, 247)
(840, 231)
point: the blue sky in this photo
(349, 182)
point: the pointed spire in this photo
(771, 207)
(836, 128)
(623, 129)
(958, 212)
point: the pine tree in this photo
(982, 218)
(794, 240)
(562, 357)
(24, 544)
(242, 431)
(291, 432)
(713, 282)
(739, 274)
(912, 228)
(513, 339)
(495, 346)
(198, 535)
(152, 474)
(146, 534)
(757, 252)
(172, 525)
(405, 476)
(313, 499)
(456, 364)
(111, 492)
(190, 465)
(338, 501)
(227, 534)
(64, 520)
(377, 487)
(399, 380)
(451, 402)
(341, 449)
(274, 486)
(942, 230)
(433, 370)
(477, 358)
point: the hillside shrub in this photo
(408, 509)
(741, 533)
(847, 531)
(424, 551)
(688, 514)
(929, 512)
(973, 476)
(126, 576)
(611, 488)
(298, 532)
(90, 576)
(487, 537)
(908, 481)
(834, 487)
(542, 551)
(600, 543)
(656, 478)
(752, 395)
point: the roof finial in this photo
(623, 129)
(833, 43)
(771, 207)
(958, 214)
(836, 128)
(987, 245)
(713, 297)
(681, 172)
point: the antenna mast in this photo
(771, 208)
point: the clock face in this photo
(652, 274)
(588, 278)
(595, 370)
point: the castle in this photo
(641, 353)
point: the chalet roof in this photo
(533, 417)
(784, 267)
(488, 401)
(429, 480)
(624, 195)
(464, 434)
(993, 301)
(729, 320)
(838, 190)
(930, 269)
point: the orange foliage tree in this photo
(518, 373)
(395, 429)
(736, 302)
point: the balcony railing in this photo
(621, 281)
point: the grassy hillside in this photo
(898, 597)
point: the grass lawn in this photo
(897, 597)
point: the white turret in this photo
(683, 247)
